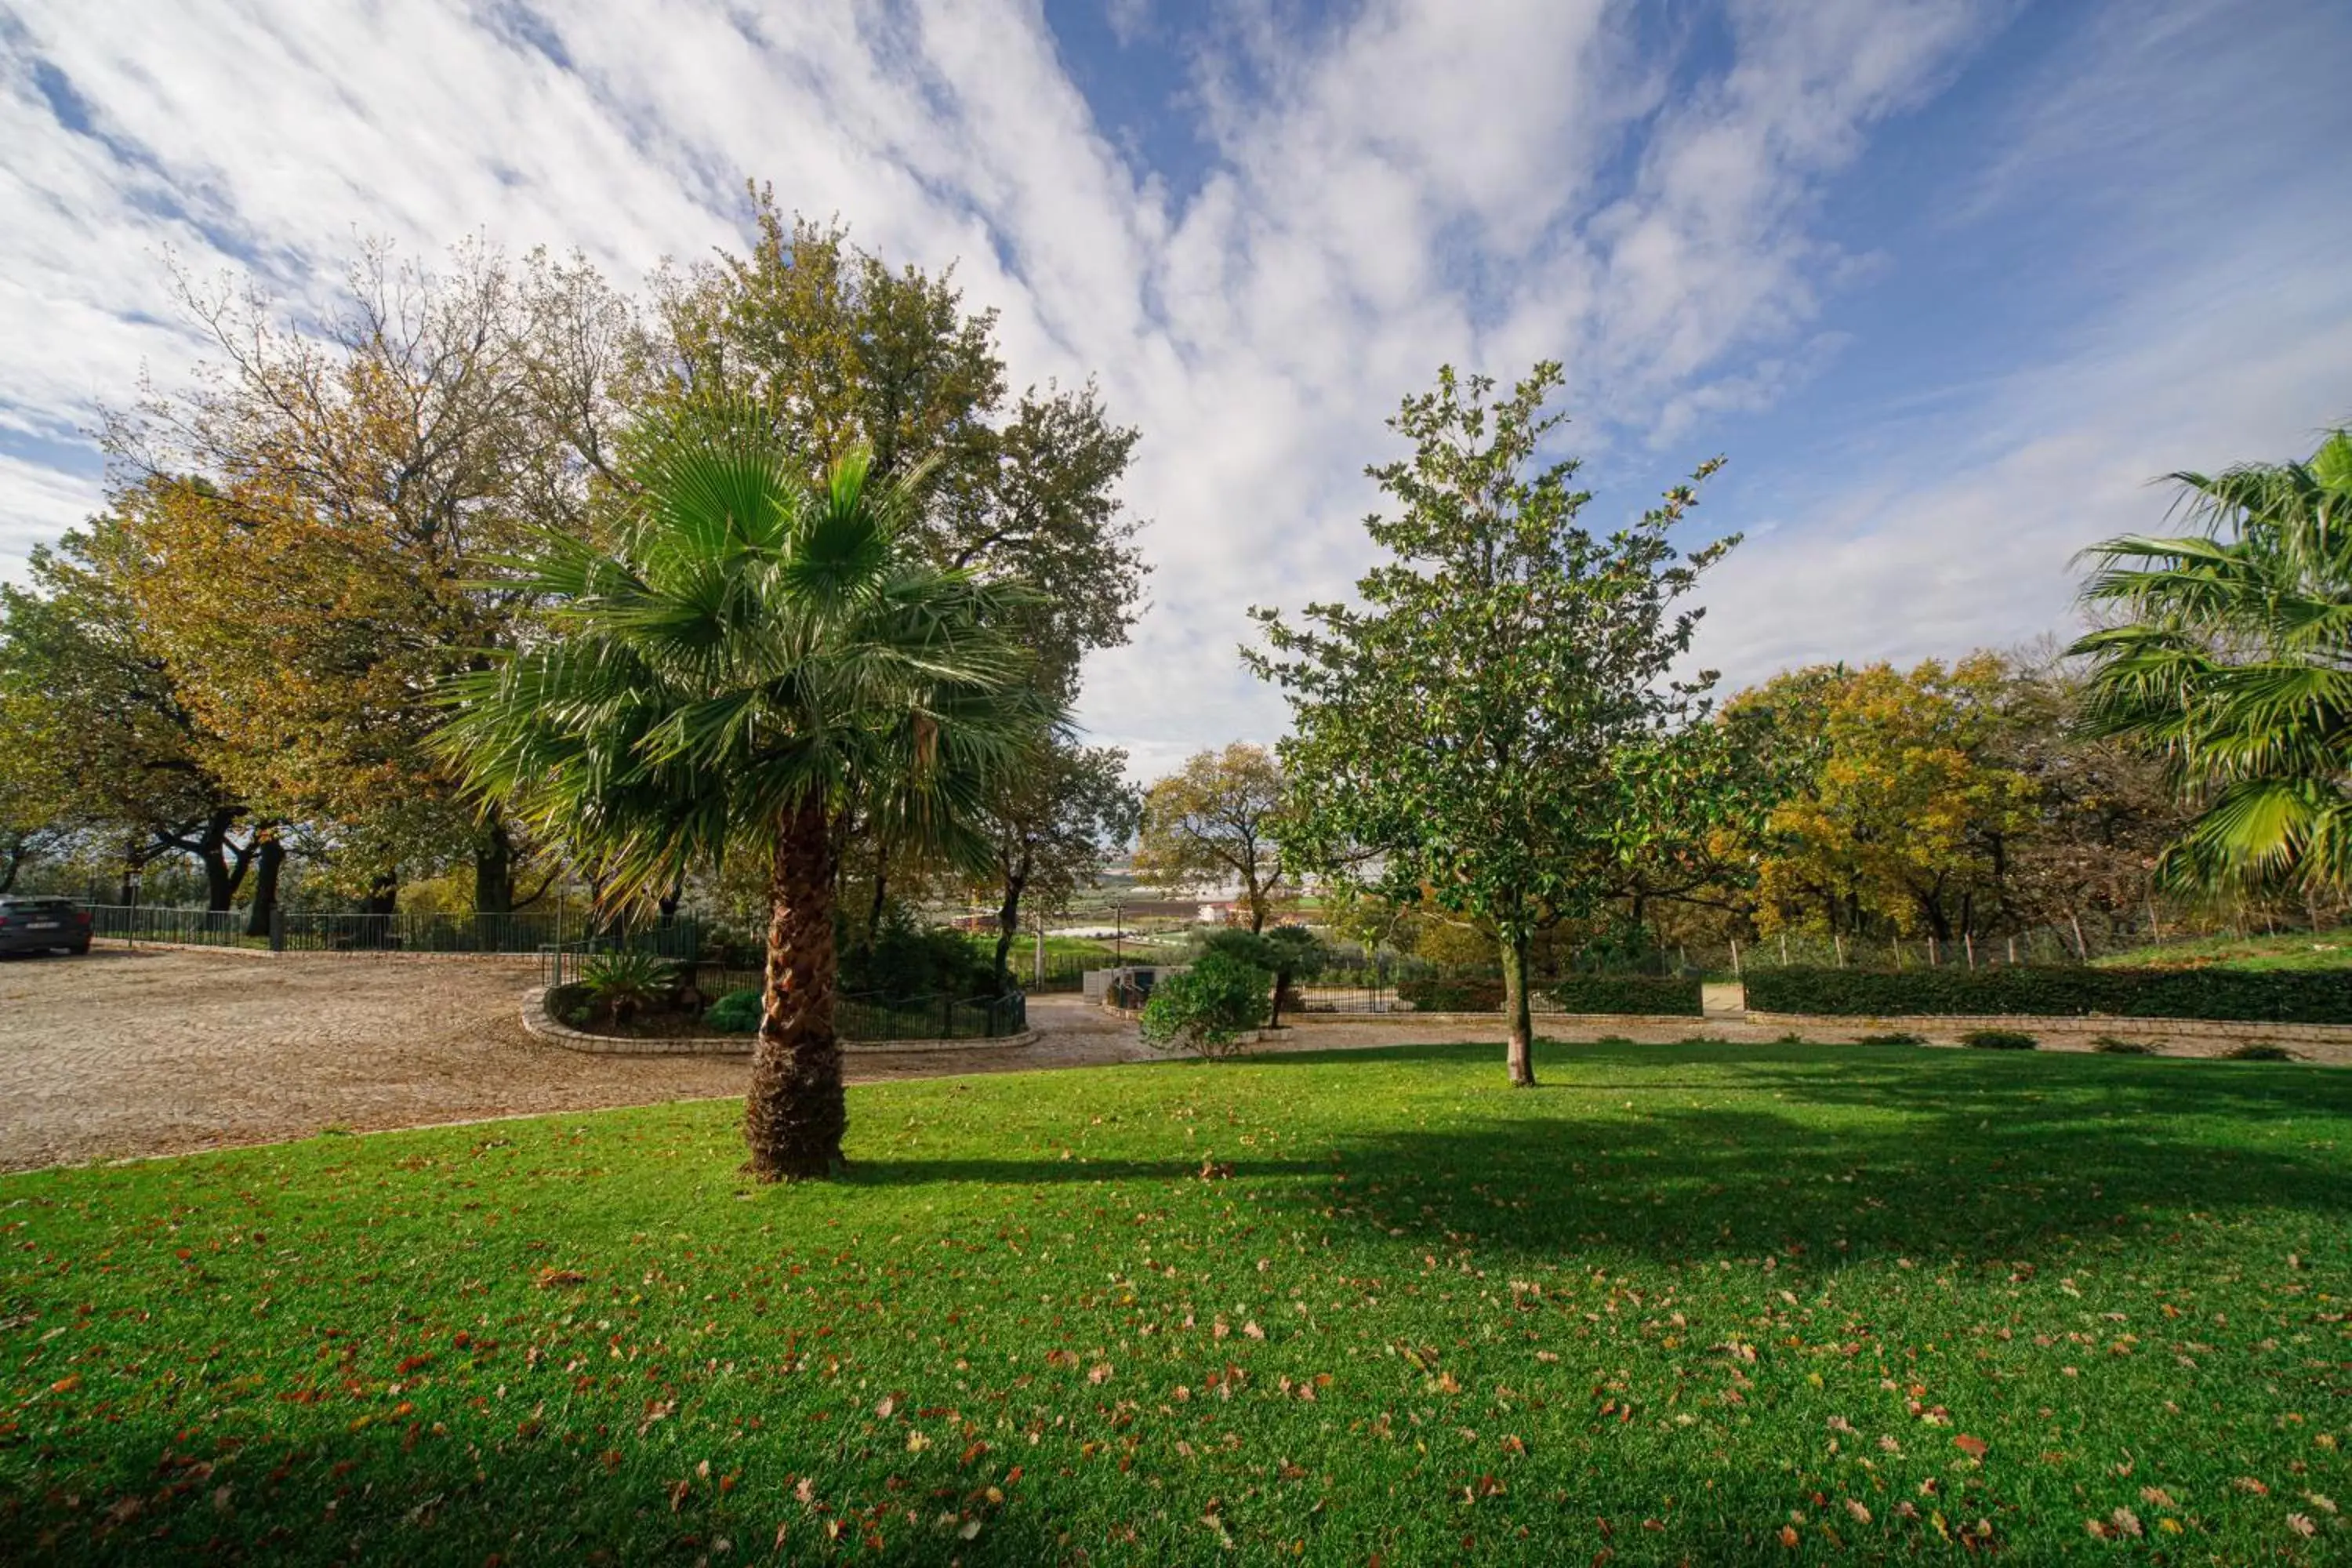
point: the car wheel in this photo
(79, 947)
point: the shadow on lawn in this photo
(1879, 1150)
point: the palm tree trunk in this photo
(795, 1114)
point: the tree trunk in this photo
(1256, 906)
(882, 894)
(494, 868)
(795, 1114)
(382, 896)
(1520, 1055)
(269, 859)
(1008, 926)
(16, 859)
(220, 886)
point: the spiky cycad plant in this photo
(747, 667)
(2232, 655)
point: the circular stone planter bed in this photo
(536, 1019)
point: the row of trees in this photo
(1494, 740)
(244, 660)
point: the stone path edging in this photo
(536, 1019)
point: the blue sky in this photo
(1949, 282)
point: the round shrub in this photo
(2108, 1044)
(1998, 1040)
(1208, 1007)
(737, 1013)
(2258, 1051)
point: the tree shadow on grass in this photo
(1878, 1150)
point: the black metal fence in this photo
(307, 931)
(875, 1020)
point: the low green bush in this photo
(2269, 996)
(1895, 1037)
(2109, 1046)
(1208, 1007)
(737, 1013)
(1664, 994)
(2260, 1051)
(618, 984)
(1998, 1040)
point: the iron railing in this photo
(319, 931)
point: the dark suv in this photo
(41, 925)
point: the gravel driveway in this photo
(153, 1051)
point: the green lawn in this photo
(2294, 949)
(1704, 1303)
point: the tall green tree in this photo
(1049, 826)
(1458, 735)
(748, 667)
(2229, 655)
(101, 740)
(1217, 819)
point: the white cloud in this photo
(1482, 182)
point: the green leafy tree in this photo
(1049, 825)
(1462, 731)
(99, 739)
(1217, 820)
(1288, 953)
(749, 666)
(2231, 657)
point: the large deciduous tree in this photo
(752, 665)
(1906, 818)
(313, 513)
(2230, 657)
(1217, 820)
(846, 353)
(1049, 825)
(99, 738)
(1459, 735)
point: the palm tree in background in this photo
(2230, 654)
(749, 667)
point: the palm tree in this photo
(749, 667)
(2232, 658)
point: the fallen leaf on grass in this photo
(1974, 1448)
(1789, 1536)
(2301, 1525)
(1861, 1514)
(552, 1278)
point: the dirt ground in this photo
(124, 1053)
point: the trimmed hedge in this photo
(1577, 994)
(1452, 995)
(1664, 994)
(2266, 997)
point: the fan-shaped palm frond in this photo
(2233, 658)
(748, 666)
